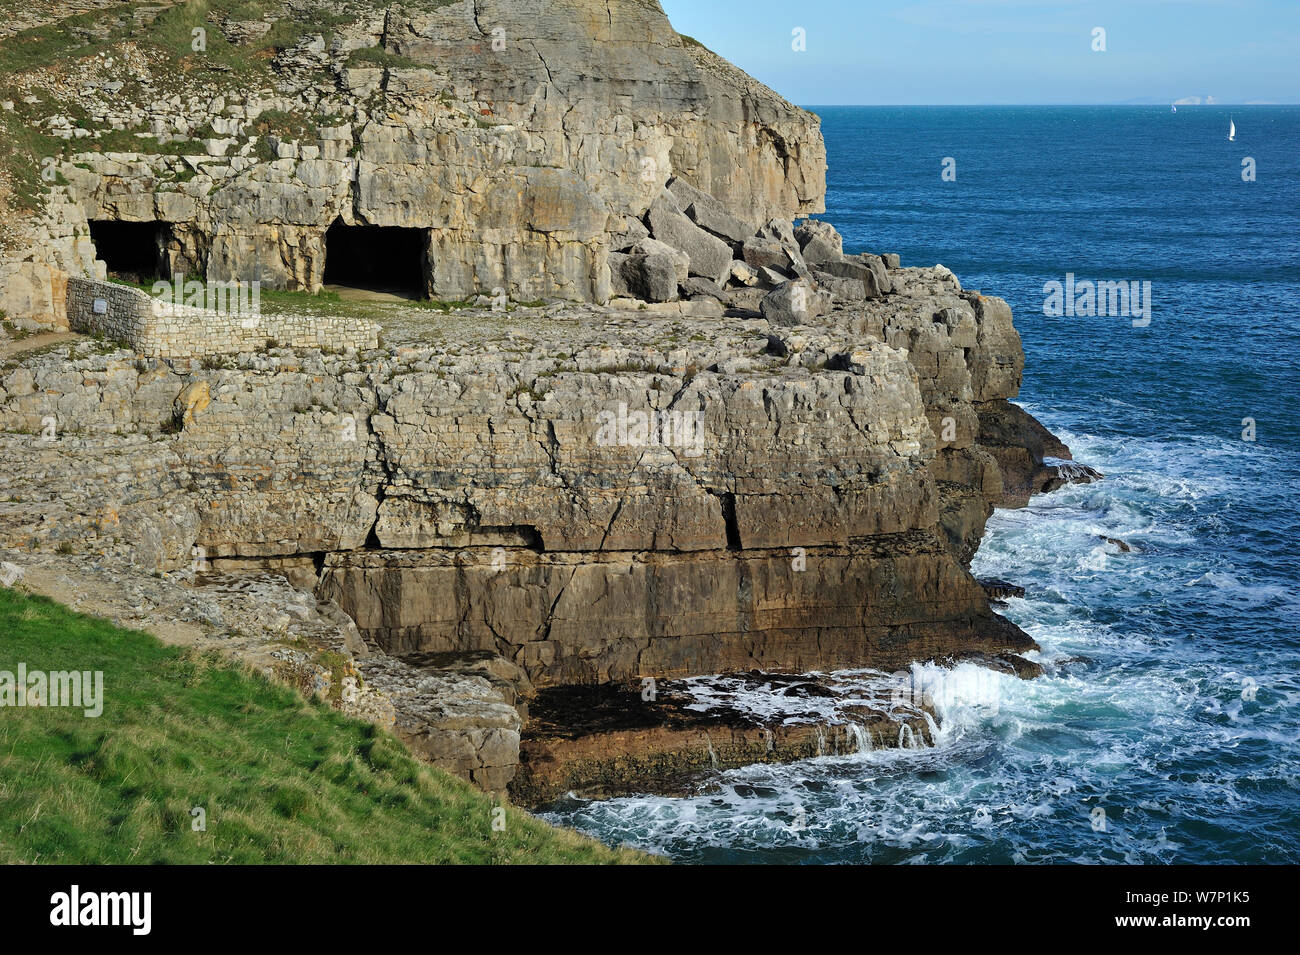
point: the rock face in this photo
(999, 590)
(724, 491)
(577, 620)
(516, 137)
(1023, 449)
(36, 258)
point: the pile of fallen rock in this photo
(689, 246)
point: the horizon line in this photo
(1036, 105)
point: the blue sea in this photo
(1176, 739)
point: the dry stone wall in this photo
(164, 330)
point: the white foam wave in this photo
(1152, 709)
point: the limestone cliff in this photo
(516, 137)
(750, 451)
(504, 494)
(479, 496)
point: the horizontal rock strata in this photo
(499, 496)
(572, 619)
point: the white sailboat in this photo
(1173, 108)
(1232, 130)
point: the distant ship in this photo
(1173, 108)
(1232, 130)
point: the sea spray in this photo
(861, 736)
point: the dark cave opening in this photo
(377, 258)
(134, 251)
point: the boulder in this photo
(685, 195)
(779, 230)
(794, 303)
(744, 273)
(651, 277)
(698, 285)
(709, 255)
(850, 290)
(681, 261)
(892, 261)
(819, 242)
(631, 231)
(720, 222)
(848, 269)
(766, 253)
(749, 299)
(877, 265)
(617, 275)
(708, 213)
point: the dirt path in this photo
(39, 340)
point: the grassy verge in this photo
(280, 779)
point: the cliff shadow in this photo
(135, 251)
(386, 259)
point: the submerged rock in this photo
(1124, 546)
(1000, 590)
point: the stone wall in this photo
(162, 330)
(124, 313)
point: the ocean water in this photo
(1168, 727)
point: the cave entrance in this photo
(387, 259)
(134, 251)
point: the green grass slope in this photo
(281, 779)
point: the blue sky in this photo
(1007, 51)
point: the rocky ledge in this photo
(674, 737)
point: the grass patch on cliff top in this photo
(280, 778)
(165, 36)
(21, 186)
